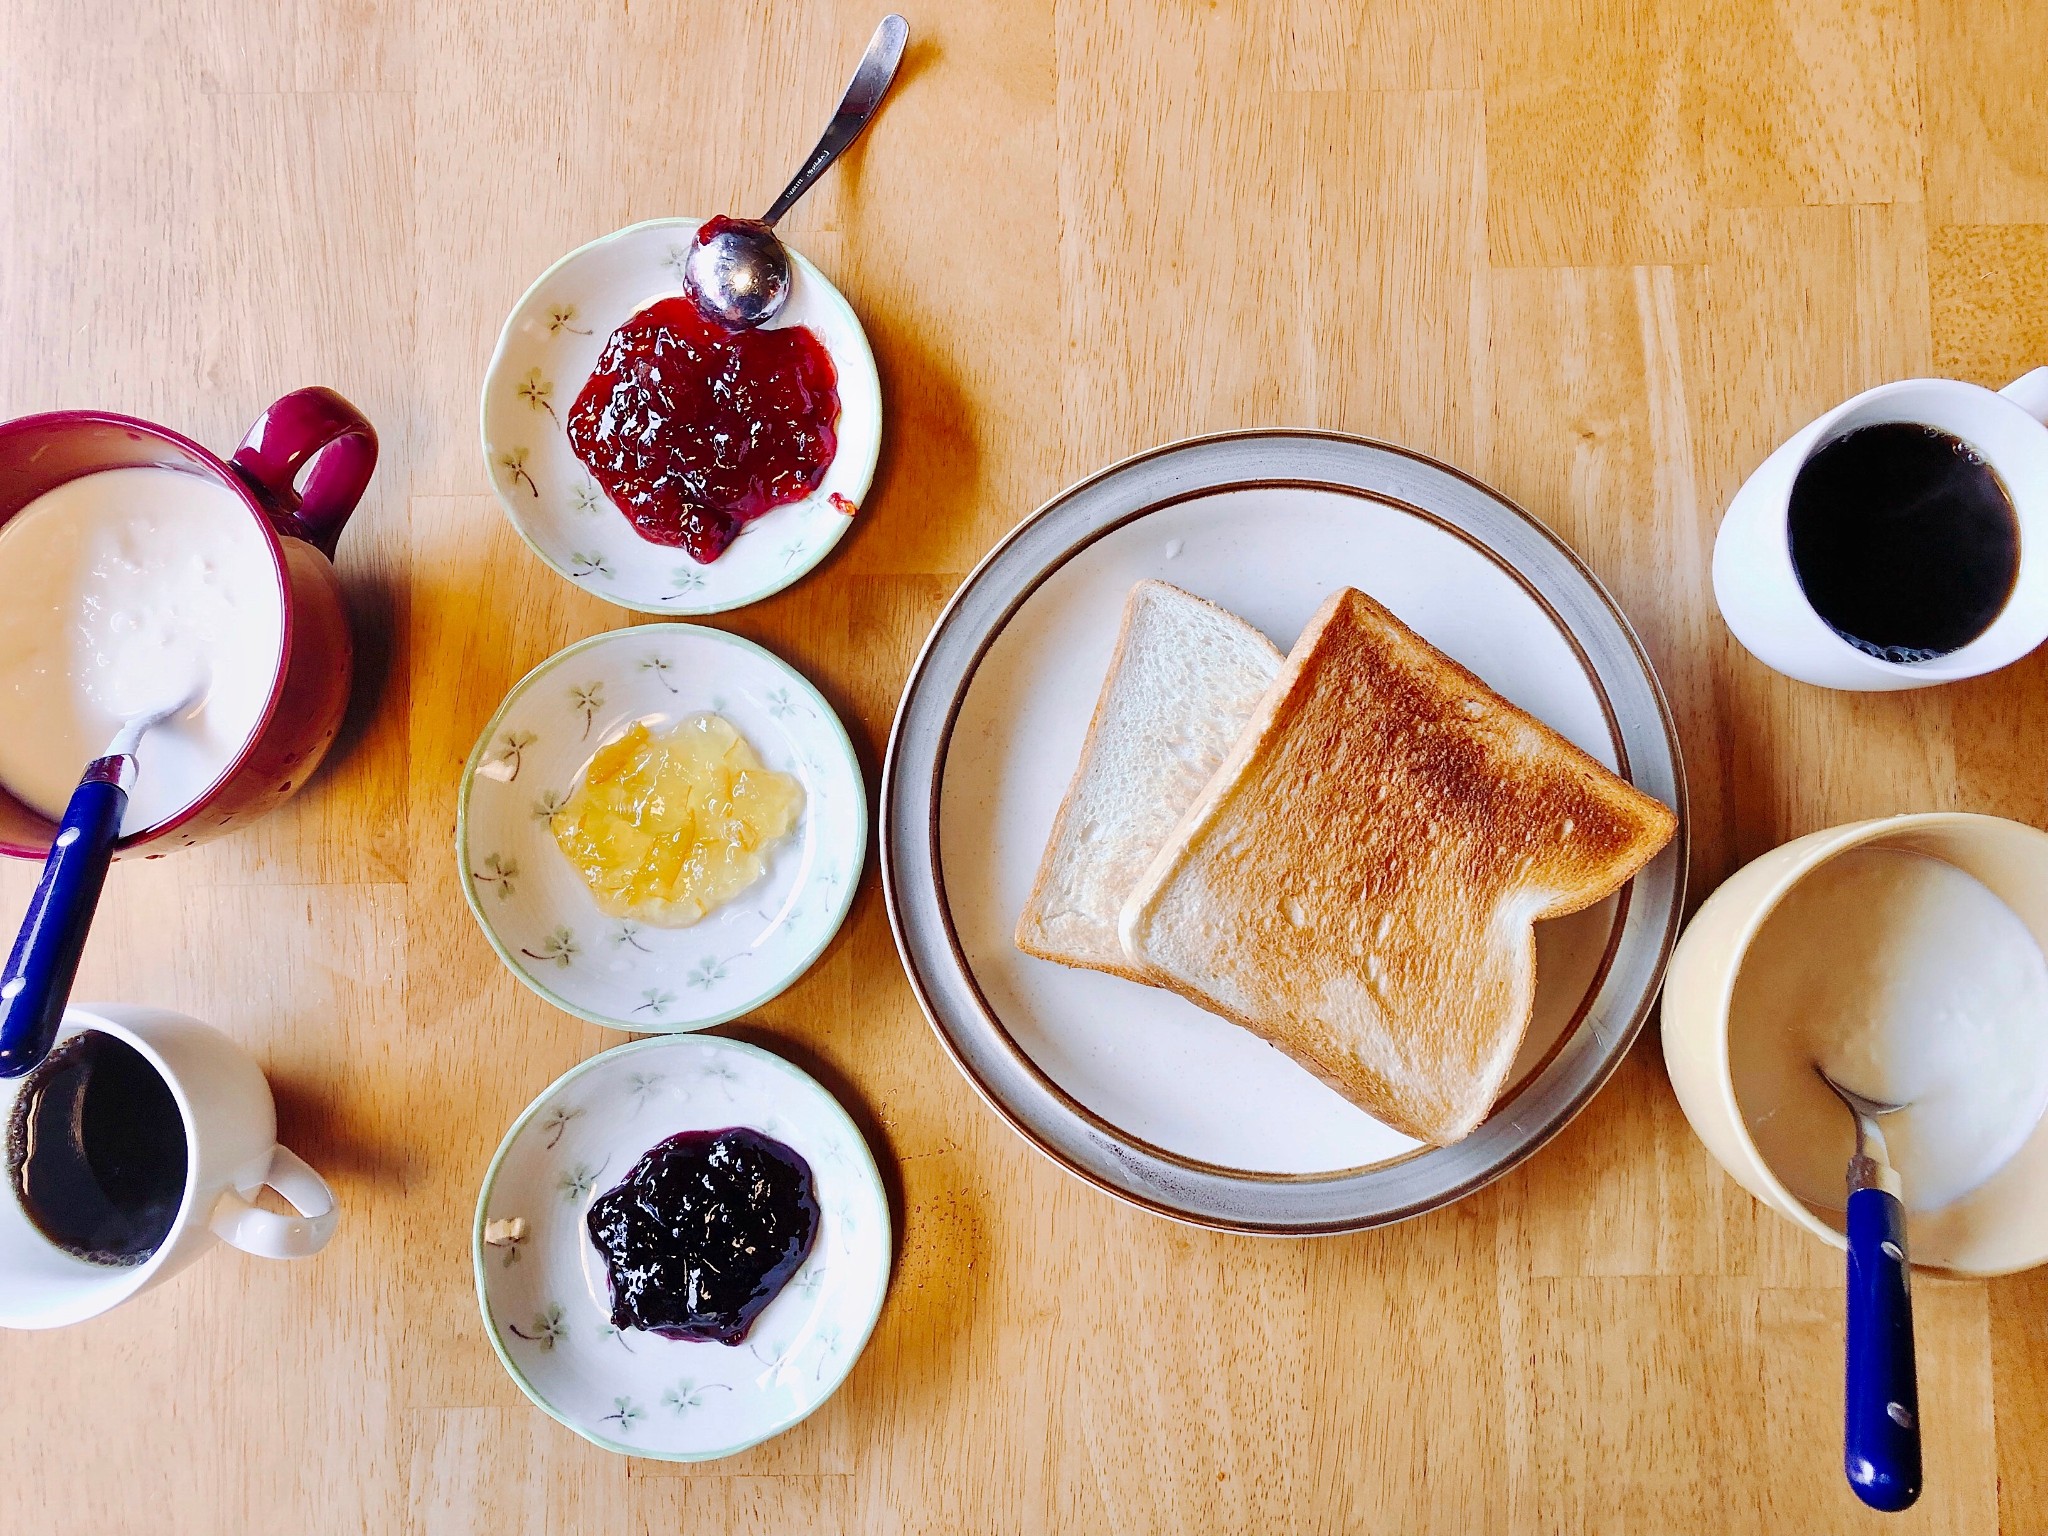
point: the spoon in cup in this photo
(1881, 1399)
(36, 985)
(738, 271)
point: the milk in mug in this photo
(122, 592)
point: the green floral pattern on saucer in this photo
(549, 344)
(548, 1315)
(534, 907)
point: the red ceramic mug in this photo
(300, 471)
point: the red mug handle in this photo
(317, 431)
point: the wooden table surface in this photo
(1602, 253)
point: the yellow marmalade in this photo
(670, 825)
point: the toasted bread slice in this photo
(1182, 682)
(1360, 881)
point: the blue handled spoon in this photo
(37, 982)
(1881, 1399)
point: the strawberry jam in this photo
(704, 1232)
(694, 430)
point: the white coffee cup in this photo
(231, 1152)
(1759, 591)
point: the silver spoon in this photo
(1881, 1393)
(738, 271)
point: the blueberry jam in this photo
(694, 430)
(704, 1233)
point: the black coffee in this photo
(1905, 540)
(96, 1150)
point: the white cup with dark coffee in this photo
(1899, 541)
(138, 1142)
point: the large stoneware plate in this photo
(1133, 1088)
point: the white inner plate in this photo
(545, 1299)
(544, 356)
(534, 906)
(1159, 1069)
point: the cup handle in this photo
(2030, 393)
(269, 1235)
(319, 427)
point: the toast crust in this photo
(1033, 934)
(1358, 883)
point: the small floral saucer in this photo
(534, 906)
(542, 1284)
(544, 356)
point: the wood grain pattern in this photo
(1605, 253)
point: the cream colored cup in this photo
(2000, 1226)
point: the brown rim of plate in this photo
(1115, 1138)
(945, 906)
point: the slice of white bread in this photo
(1182, 682)
(1359, 882)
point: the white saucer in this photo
(534, 907)
(544, 356)
(545, 1298)
(1133, 1087)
